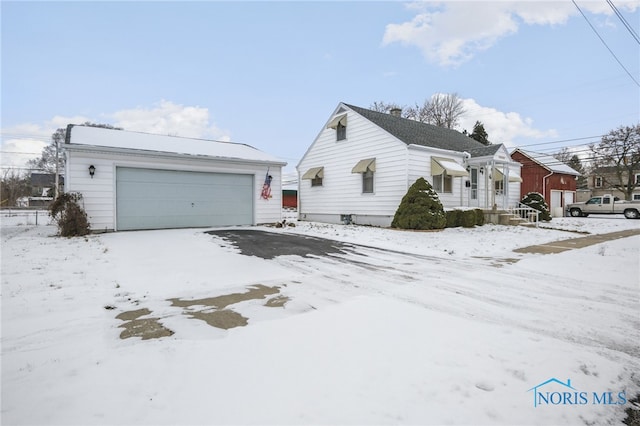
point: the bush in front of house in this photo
(420, 208)
(466, 218)
(536, 201)
(453, 218)
(479, 217)
(70, 217)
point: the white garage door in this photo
(157, 199)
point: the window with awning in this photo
(363, 166)
(498, 174)
(447, 166)
(339, 122)
(315, 174)
(338, 119)
(366, 167)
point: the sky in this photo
(269, 74)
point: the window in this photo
(366, 167)
(637, 179)
(442, 183)
(367, 182)
(499, 186)
(315, 175)
(339, 123)
(595, 200)
(598, 182)
(341, 132)
(636, 197)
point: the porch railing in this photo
(526, 213)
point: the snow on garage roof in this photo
(549, 162)
(122, 139)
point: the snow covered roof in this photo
(78, 135)
(548, 162)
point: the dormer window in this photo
(339, 123)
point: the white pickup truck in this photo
(605, 204)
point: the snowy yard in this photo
(448, 327)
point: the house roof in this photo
(413, 132)
(548, 162)
(88, 136)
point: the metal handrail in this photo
(525, 212)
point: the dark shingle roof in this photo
(417, 133)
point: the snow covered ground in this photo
(448, 327)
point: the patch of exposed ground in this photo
(145, 328)
(220, 317)
(258, 291)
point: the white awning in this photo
(498, 174)
(314, 172)
(441, 165)
(365, 165)
(342, 119)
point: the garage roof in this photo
(98, 137)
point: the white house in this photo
(133, 180)
(362, 163)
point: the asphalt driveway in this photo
(268, 245)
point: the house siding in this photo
(420, 166)
(99, 193)
(341, 190)
(534, 175)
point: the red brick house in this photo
(550, 177)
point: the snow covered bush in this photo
(420, 208)
(69, 215)
(536, 201)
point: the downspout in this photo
(544, 189)
(298, 205)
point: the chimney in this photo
(396, 112)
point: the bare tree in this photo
(564, 155)
(443, 110)
(619, 154)
(14, 186)
(385, 107)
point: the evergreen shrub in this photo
(453, 218)
(536, 200)
(479, 217)
(468, 218)
(420, 208)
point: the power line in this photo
(603, 42)
(624, 22)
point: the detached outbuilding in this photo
(132, 180)
(548, 176)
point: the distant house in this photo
(600, 181)
(132, 180)
(548, 176)
(362, 163)
(43, 188)
(289, 191)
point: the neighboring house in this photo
(548, 176)
(363, 162)
(43, 188)
(133, 180)
(290, 191)
(600, 183)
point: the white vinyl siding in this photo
(420, 166)
(100, 195)
(342, 190)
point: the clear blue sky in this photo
(269, 74)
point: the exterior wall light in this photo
(92, 170)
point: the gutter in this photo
(161, 154)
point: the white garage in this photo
(133, 181)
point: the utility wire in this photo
(624, 22)
(603, 42)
